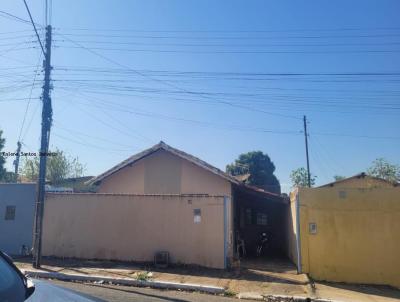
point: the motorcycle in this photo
(262, 243)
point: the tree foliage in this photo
(299, 178)
(338, 177)
(260, 169)
(383, 169)
(59, 167)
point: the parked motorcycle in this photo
(262, 244)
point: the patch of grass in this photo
(230, 293)
(143, 276)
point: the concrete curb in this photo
(286, 298)
(295, 299)
(250, 296)
(125, 281)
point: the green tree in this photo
(338, 177)
(260, 169)
(59, 167)
(299, 178)
(381, 168)
(2, 157)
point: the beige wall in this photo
(358, 234)
(292, 228)
(134, 227)
(165, 173)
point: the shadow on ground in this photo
(371, 290)
(260, 270)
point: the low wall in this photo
(357, 235)
(17, 232)
(134, 227)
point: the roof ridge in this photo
(182, 154)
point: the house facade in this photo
(17, 207)
(348, 231)
(163, 199)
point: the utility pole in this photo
(308, 161)
(16, 161)
(47, 113)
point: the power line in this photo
(318, 163)
(74, 140)
(268, 45)
(172, 85)
(67, 130)
(265, 99)
(14, 37)
(215, 73)
(247, 37)
(236, 31)
(34, 27)
(30, 121)
(16, 31)
(126, 132)
(16, 99)
(230, 127)
(13, 17)
(110, 106)
(329, 157)
(280, 107)
(356, 135)
(376, 51)
(145, 138)
(30, 96)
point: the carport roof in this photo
(197, 161)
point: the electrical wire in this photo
(30, 96)
(172, 85)
(34, 27)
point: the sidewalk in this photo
(351, 293)
(255, 280)
(264, 281)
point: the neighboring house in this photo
(17, 207)
(165, 199)
(361, 180)
(348, 231)
(72, 184)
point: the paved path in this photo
(127, 294)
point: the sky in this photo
(212, 78)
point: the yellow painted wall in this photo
(358, 234)
(165, 173)
(134, 227)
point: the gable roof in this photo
(361, 175)
(196, 161)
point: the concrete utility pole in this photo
(47, 113)
(16, 161)
(308, 161)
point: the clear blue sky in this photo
(211, 78)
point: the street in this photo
(113, 293)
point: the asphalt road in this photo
(114, 293)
